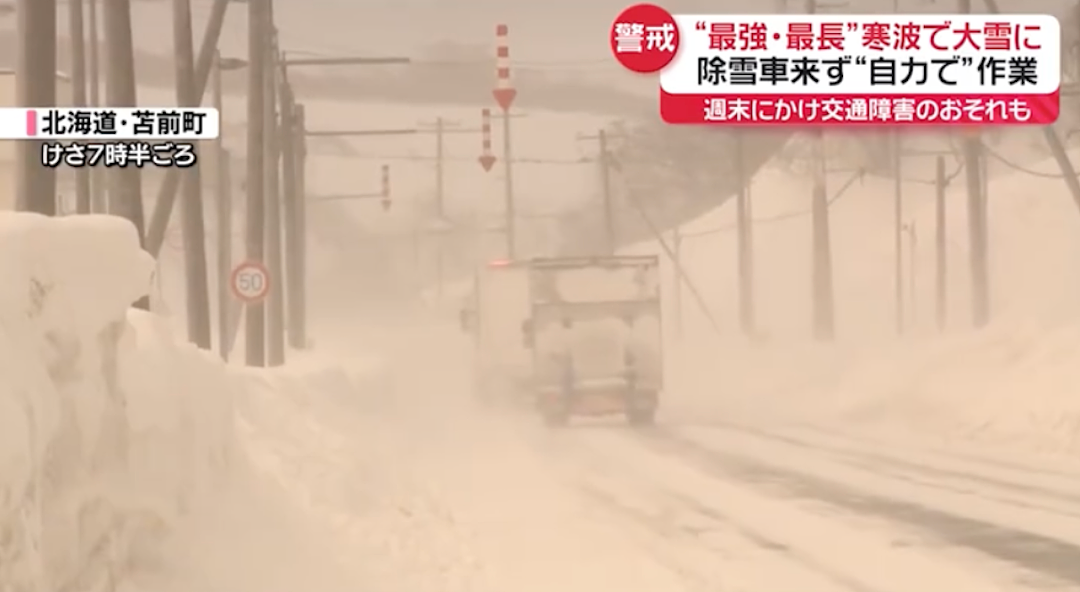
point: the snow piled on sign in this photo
(118, 458)
(1012, 384)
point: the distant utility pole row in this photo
(271, 282)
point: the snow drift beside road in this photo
(1012, 385)
(88, 443)
(116, 436)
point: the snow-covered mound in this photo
(100, 405)
(1011, 383)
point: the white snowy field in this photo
(364, 464)
(876, 463)
(1010, 385)
(120, 466)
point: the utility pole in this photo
(166, 198)
(676, 247)
(605, 186)
(606, 161)
(35, 86)
(510, 202)
(913, 253)
(977, 221)
(898, 228)
(226, 321)
(94, 46)
(97, 180)
(440, 127)
(505, 94)
(744, 231)
(292, 147)
(125, 189)
(258, 37)
(191, 209)
(291, 163)
(301, 223)
(275, 318)
(78, 94)
(1053, 141)
(223, 196)
(822, 290)
(940, 246)
(440, 202)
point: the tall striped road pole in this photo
(505, 94)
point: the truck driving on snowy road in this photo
(594, 331)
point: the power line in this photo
(856, 175)
(1018, 167)
(777, 218)
(422, 158)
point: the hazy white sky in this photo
(548, 30)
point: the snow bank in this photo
(1012, 384)
(110, 426)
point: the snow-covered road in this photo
(428, 492)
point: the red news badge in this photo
(644, 38)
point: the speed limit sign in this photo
(250, 282)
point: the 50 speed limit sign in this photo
(250, 282)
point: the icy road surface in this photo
(429, 493)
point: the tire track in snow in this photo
(1060, 502)
(666, 529)
(1036, 552)
(1073, 478)
(836, 555)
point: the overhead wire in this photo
(1018, 167)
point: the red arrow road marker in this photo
(504, 92)
(487, 160)
(504, 97)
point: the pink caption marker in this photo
(31, 122)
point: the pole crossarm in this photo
(346, 196)
(347, 61)
(358, 133)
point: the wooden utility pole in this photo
(300, 224)
(293, 206)
(191, 208)
(440, 168)
(97, 180)
(275, 301)
(1053, 141)
(35, 86)
(978, 240)
(440, 203)
(744, 231)
(223, 197)
(824, 322)
(977, 232)
(676, 291)
(166, 198)
(607, 162)
(226, 321)
(125, 188)
(898, 228)
(823, 306)
(913, 269)
(940, 247)
(258, 39)
(605, 187)
(94, 46)
(510, 202)
(78, 94)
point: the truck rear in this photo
(497, 310)
(596, 336)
